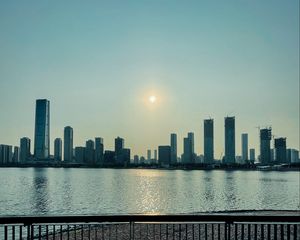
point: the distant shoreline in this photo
(226, 168)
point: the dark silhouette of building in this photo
(99, 151)
(42, 129)
(109, 158)
(24, 149)
(6, 154)
(164, 155)
(188, 156)
(208, 141)
(280, 150)
(244, 147)
(79, 154)
(90, 152)
(265, 145)
(68, 144)
(229, 140)
(58, 149)
(252, 155)
(16, 155)
(173, 148)
(126, 156)
(119, 153)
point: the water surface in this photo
(52, 191)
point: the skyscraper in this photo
(188, 149)
(24, 149)
(90, 152)
(58, 149)
(119, 146)
(16, 155)
(68, 144)
(280, 150)
(229, 140)
(244, 147)
(173, 148)
(208, 141)
(42, 129)
(99, 151)
(164, 155)
(265, 148)
(252, 155)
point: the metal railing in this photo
(162, 227)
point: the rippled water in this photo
(30, 191)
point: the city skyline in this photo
(99, 64)
(95, 150)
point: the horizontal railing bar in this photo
(29, 220)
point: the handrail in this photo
(228, 218)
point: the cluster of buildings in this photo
(94, 154)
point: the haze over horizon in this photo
(99, 62)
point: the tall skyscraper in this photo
(230, 140)
(90, 152)
(99, 151)
(188, 149)
(164, 155)
(280, 150)
(119, 146)
(58, 149)
(245, 147)
(42, 129)
(24, 149)
(265, 145)
(68, 144)
(208, 141)
(79, 154)
(252, 155)
(173, 148)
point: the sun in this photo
(152, 99)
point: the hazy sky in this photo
(99, 61)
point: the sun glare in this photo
(152, 99)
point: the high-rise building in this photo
(252, 155)
(24, 149)
(229, 140)
(6, 154)
(173, 148)
(208, 141)
(149, 156)
(16, 155)
(42, 129)
(155, 155)
(191, 137)
(245, 147)
(79, 154)
(164, 155)
(109, 157)
(265, 145)
(126, 156)
(280, 150)
(295, 156)
(90, 152)
(119, 146)
(188, 149)
(58, 149)
(68, 144)
(99, 151)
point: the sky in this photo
(98, 62)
